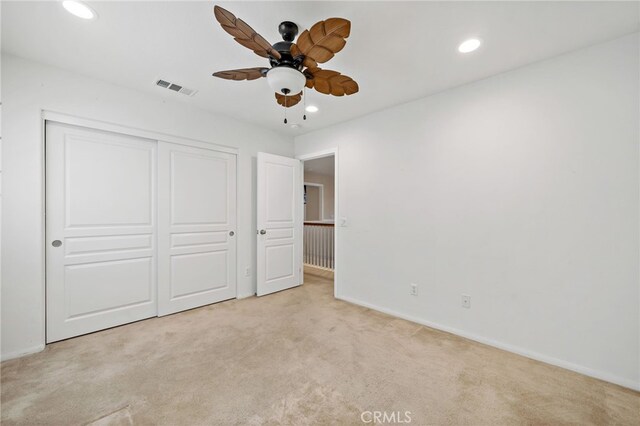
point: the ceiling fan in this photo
(293, 65)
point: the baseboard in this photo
(601, 375)
(317, 271)
(244, 296)
(18, 354)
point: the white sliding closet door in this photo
(134, 228)
(100, 230)
(197, 225)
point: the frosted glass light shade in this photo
(281, 78)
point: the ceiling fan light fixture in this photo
(287, 59)
(79, 9)
(285, 80)
(311, 108)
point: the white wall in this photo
(521, 190)
(28, 88)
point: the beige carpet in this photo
(297, 357)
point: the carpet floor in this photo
(296, 357)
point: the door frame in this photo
(336, 208)
(47, 115)
(320, 201)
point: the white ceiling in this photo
(321, 166)
(397, 51)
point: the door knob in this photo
(231, 233)
(56, 243)
(262, 232)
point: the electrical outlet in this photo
(247, 272)
(466, 301)
(413, 289)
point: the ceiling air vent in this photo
(176, 87)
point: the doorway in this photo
(319, 221)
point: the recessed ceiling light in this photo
(312, 108)
(79, 9)
(469, 45)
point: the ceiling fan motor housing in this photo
(286, 59)
(288, 30)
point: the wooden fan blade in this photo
(242, 74)
(296, 52)
(244, 34)
(331, 82)
(288, 101)
(324, 39)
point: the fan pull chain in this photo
(304, 103)
(285, 109)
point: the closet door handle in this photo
(262, 232)
(231, 233)
(56, 243)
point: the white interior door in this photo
(100, 229)
(279, 234)
(197, 225)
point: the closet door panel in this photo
(197, 225)
(100, 230)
